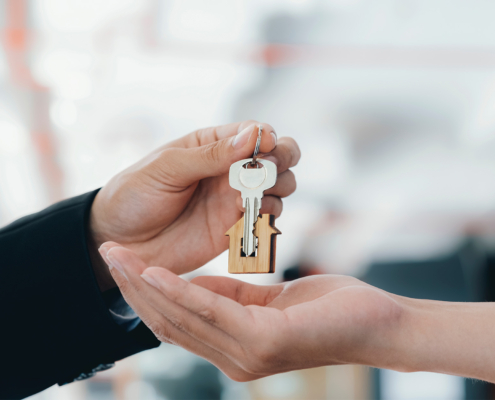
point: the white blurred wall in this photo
(392, 103)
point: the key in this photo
(252, 182)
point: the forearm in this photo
(49, 293)
(446, 337)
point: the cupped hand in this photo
(251, 331)
(173, 207)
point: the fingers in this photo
(203, 324)
(253, 328)
(163, 329)
(107, 246)
(285, 186)
(239, 291)
(214, 310)
(147, 314)
(205, 136)
(286, 155)
(184, 166)
(272, 205)
(269, 205)
(210, 152)
(239, 340)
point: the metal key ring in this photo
(258, 143)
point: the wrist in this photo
(95, 239)
(446, 337)
(410, 342)
(391, 339)
(389, 344)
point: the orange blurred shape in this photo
(43, 143)
(15, 38)
(273, 54)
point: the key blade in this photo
(250, 218)
(247, 219)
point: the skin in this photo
(173, 207)
(251, 331)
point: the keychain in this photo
(253, 239)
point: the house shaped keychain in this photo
(253, 240)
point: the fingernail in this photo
(274, 137)
(150, 280)
(242, 137)
(103, 250)
(114, 263)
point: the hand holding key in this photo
(252, 182)
(173, 207)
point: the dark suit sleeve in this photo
(54, 325)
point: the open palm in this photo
(251, 331)
(310, 322)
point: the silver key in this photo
(252, 182)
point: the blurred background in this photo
(391, 101)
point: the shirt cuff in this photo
(120, 311)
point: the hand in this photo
(251, 331)
(173, 207)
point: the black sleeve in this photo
(54, 324)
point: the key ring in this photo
(258, 143)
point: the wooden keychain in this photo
(253, 240)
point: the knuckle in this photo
(285, 159)
(166, 166)
(293, 182)
(124, 286)
(292, 144)
(266, 127)
(272, 205)
(248, 122)
(208, 315)
(165, 157)
(297, 152)
(212, 152)
(197, 136)
(159, 330)
(286, 184)
(292, 151)
(176, 296)
(177, 323)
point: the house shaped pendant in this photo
(264, 259)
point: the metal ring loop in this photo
(258, 143)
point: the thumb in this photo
(214, 159)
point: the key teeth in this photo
(250, 217)
(246, 227)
